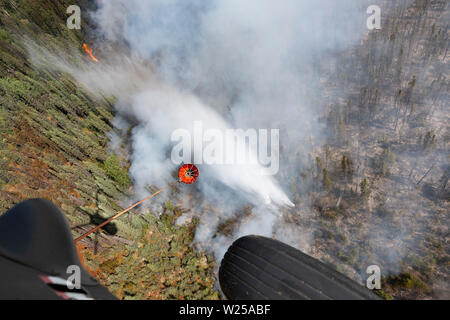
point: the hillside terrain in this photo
(54, 145)
(375, 192)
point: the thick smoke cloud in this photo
(227, 63)
(230, 64)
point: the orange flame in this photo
(88, 50)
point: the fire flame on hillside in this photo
(89, 51)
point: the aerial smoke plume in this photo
(229, 64)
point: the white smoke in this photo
(229, 64)
(161, 110)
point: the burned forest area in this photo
(381, 180)
(371, 190)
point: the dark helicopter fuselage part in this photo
(257, 268)
(38, 256)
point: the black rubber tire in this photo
(256, 268)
